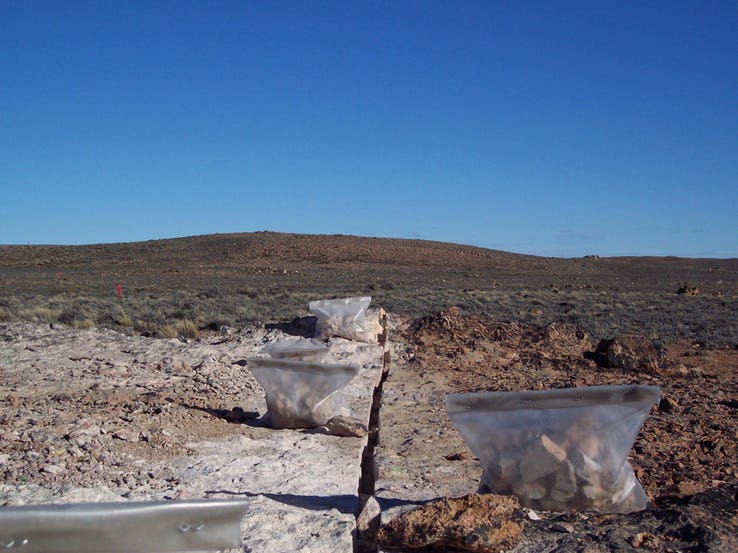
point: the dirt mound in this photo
(479, 344)
(480, 523)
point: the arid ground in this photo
(204, 282)
(463, 319)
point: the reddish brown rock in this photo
(483, 523)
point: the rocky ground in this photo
(141, 392)
(92, 416)
(116, 418)
(685, 455)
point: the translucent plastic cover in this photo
(557, 450)
(300, 394)
(304, 349)
(344, 317)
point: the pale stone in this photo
(565, 484)
(368, 519)
(301, 485)
(542, 458)
(530, 490)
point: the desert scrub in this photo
(77, 316)
(161, 286)
(114, 315)
(150, 328)
(168, 331)
(248, 291)
(43, 314)
(184, 329)
(177, 329)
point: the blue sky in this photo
(550, 128)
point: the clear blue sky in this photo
(552, 128)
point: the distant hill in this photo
(268, 275)
(255, 248)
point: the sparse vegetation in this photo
(38, 313)
(183, 287)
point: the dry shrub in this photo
(77, 316)
(147, 327)
(168, 331)
(248, 291)
(84, 323)
(187, 329)
(43, 314)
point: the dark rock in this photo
(732, 403)
(126, 435)
(668, 405)
(688, 289)
(563, 527)
(632, 353)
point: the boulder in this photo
(633, 353)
